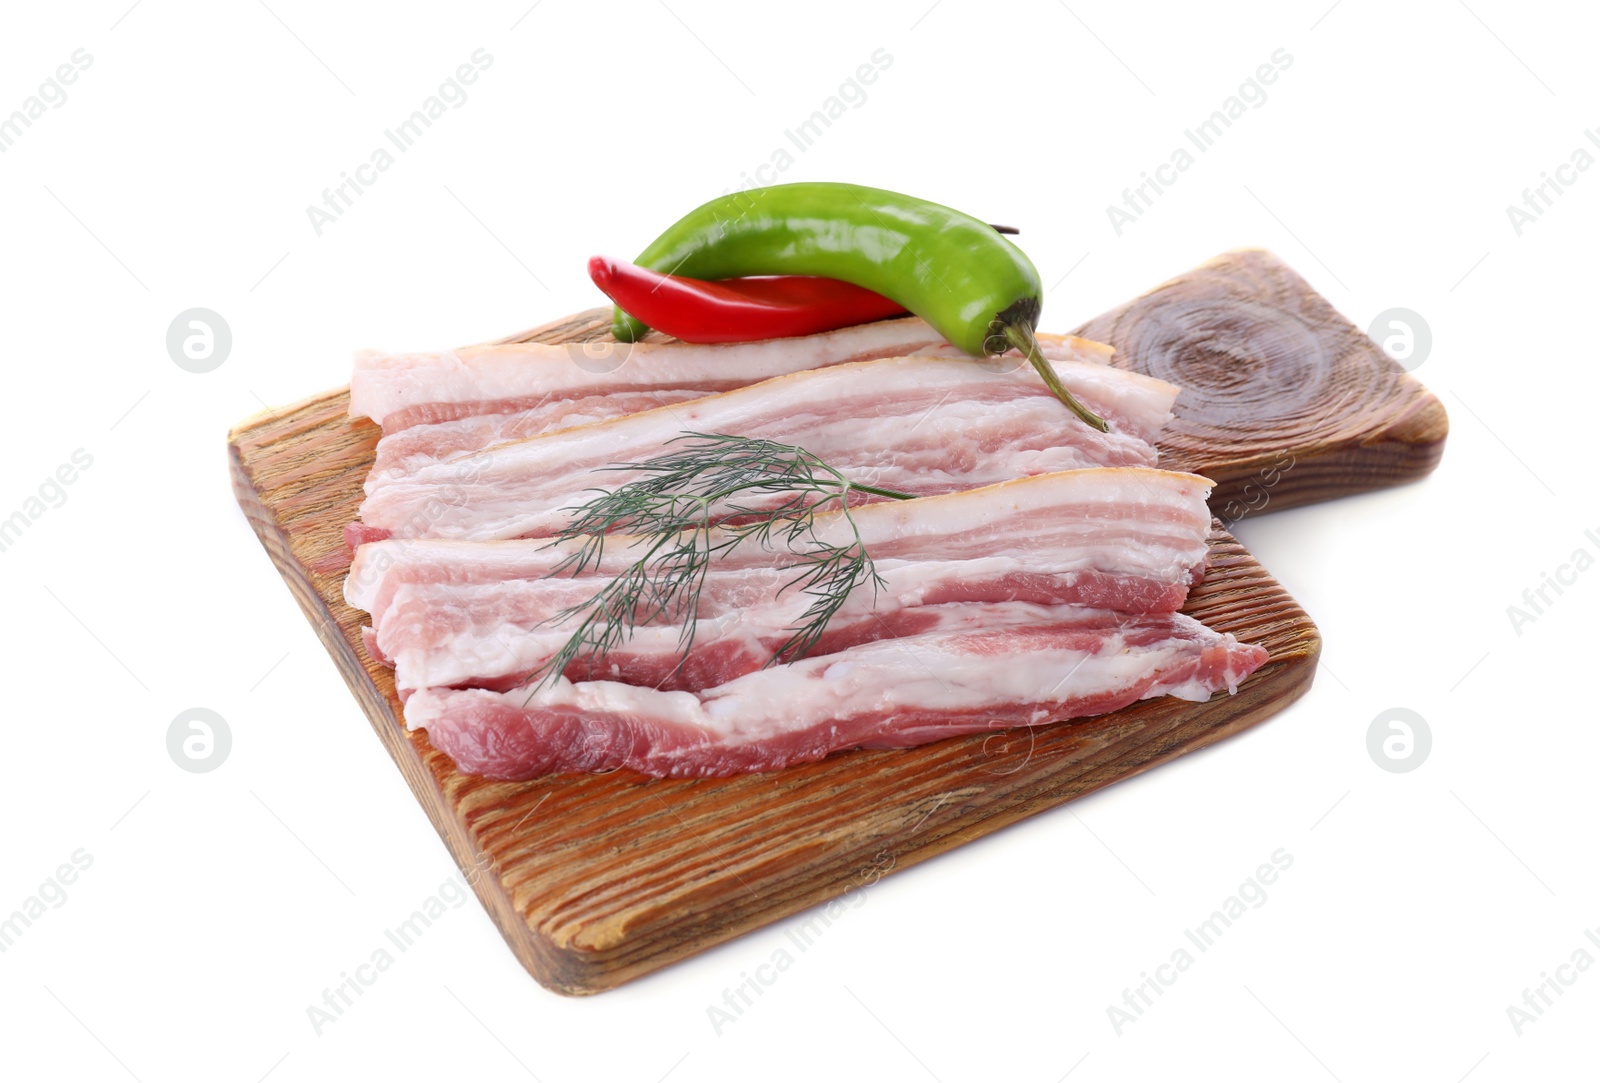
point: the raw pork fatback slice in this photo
(915, 424)
(440, 406)
(988, 667)
(491, 613)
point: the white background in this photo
(219, 906)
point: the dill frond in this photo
(693, 505)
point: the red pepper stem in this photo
(1021, 336)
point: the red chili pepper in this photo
(737, 309)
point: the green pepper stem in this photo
(1021, 336)
(893, 494)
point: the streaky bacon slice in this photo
(499, 378)
(992, 667)
(416, 446)
(489, 613)
(920, 425)
(405, 389)
(553, 398)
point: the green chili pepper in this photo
(974, 286)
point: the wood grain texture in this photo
(597, 879)
(1285, 402)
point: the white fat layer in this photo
(484, 631)
(486, 610)
(920, 674)
(1081, 506)
(524, 488)
(409, 449)
(383, 383)
(1149, 509)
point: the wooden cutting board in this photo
(598, 879)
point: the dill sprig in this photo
(693, 505)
